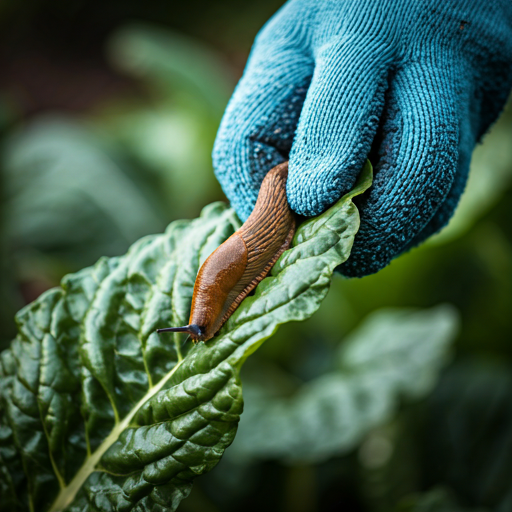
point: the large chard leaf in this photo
(99, 413)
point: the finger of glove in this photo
(448, 207)
(469, 132)
(337, 124)
(415, 168)
(257, 129)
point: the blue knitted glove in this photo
(411, 84)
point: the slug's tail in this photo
(193, 329)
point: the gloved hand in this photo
(411, 84)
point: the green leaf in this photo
(101, 412)
(172, 130)
(173, 64)
(394, 354)
(96, 208)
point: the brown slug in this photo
(243, 260)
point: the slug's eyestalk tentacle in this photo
(235, 268)
(193, 330)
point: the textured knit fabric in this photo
(411, 84)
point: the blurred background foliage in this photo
(108, 113)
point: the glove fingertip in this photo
(316, 182)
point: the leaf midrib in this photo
(67, 494)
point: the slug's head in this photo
(195, 332)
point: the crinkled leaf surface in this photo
(393, 354)
(100, 413)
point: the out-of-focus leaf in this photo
(66, 195)
(175, 144)
(436, 500)
(394, 354)
(467, 438)
(102, 413)
(489, 177)
(172, 132)
(172, 63)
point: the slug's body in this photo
(243, 260)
